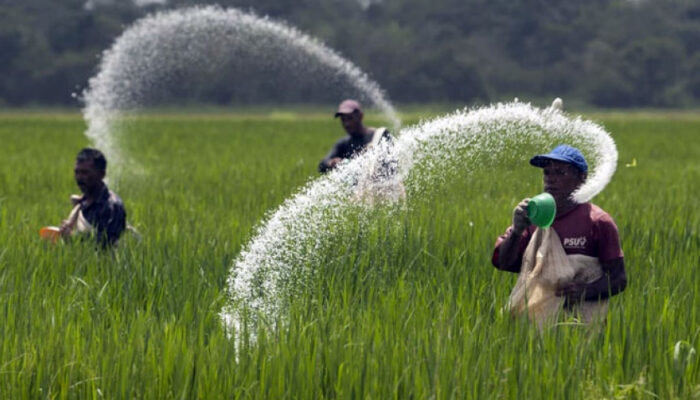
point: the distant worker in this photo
(98, 212)
(583, 236)
(359, 136)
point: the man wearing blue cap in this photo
(583, 229)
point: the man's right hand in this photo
(65, 229)
(333, 162)
(520, 219)
(508, 250)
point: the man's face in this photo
(352, 123)
(561, 179)
(87, 176)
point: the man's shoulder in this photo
(379, 134)
(343, 141)
(600, 216)
(384, 130)
(586, 213)
(115, 200)
(597, 212)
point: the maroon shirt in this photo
(586, 229)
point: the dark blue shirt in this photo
(107, 215)
(348, 147)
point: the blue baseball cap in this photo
(564, 153)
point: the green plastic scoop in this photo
(542, 209)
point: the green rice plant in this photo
(404, 305)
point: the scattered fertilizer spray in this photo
(154, 55)
(291, 242)
(158, 54)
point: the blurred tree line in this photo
(624, 53)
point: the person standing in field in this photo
(98, 212)
(588, 235)
(359, 137)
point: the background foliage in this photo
(619, 53)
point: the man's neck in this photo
(91, 196)
(565, 206)
(363, 133)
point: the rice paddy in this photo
(408, 306)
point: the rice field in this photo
(408, 306)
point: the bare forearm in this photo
(509, 248)
(611, 283)
(508, 253)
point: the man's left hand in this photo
(572, 291)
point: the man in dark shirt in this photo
(582, 228)
(99, 211)
(358, 139)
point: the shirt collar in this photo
(578, 206)
(102, 198)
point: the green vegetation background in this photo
(621, 53)
(410, 308)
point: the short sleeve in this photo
(524, 240)
(608, 239)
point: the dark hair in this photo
(98, 159)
